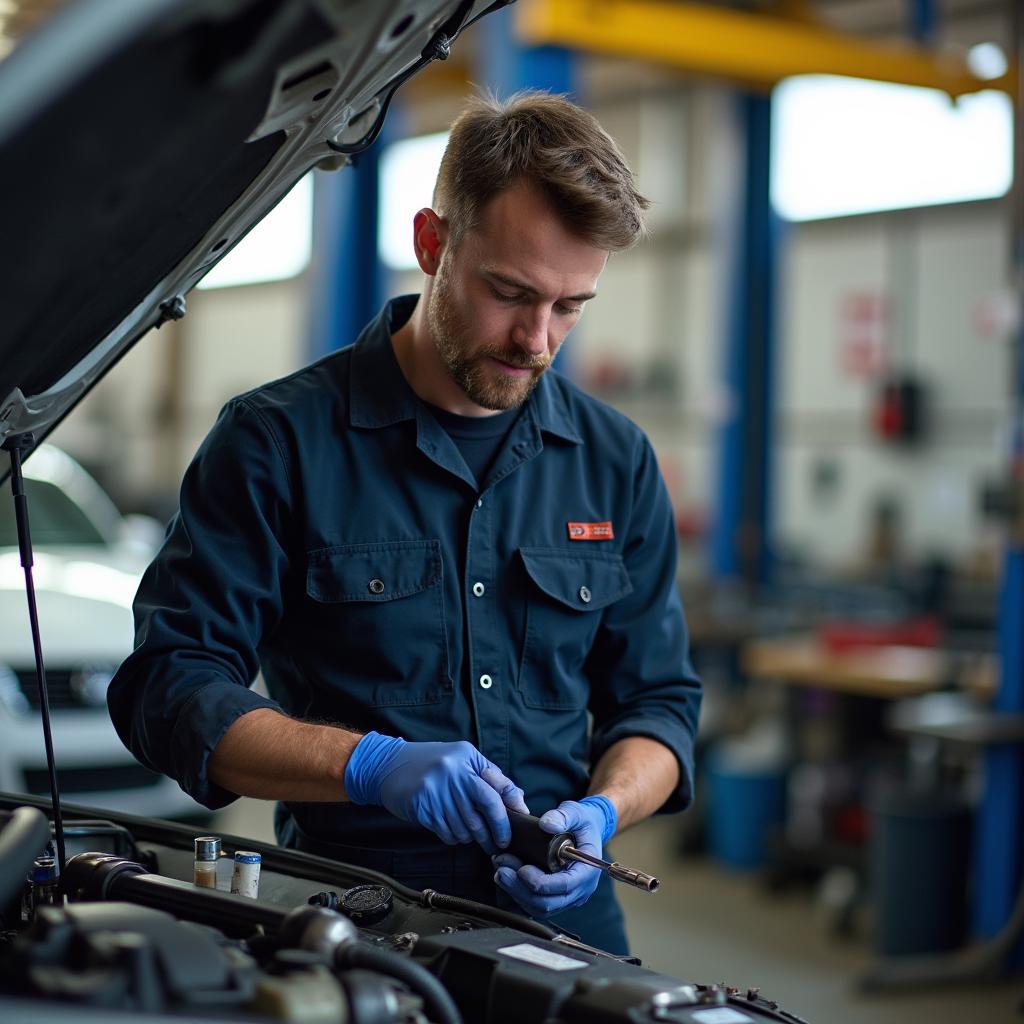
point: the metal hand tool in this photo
(532, 845)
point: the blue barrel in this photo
(746, 803)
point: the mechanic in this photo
(442, 556)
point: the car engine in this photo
(126, 934)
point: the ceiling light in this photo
(987, 61)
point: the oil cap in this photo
(366, 904)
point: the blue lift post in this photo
(740, 540)
(999, 837)
(924, 21)
(1000, 840)
(504, 65)
(348, 281)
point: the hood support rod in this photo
(15, 444)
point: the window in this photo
(278, 247)
(408, 170)
(843, 146)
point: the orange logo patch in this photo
(591, 531)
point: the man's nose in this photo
(531, 332)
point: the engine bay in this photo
(127, 934)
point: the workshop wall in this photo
(931, 282)
(834, 469)
(140, 428)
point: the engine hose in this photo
(456, 904)
(21, 841)
(440, 1007)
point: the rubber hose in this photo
(442, 901)
(21, 841)
(441, 1009)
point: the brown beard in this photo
(471, 371)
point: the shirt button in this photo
(585, 595)
(478, 589)
(479, 502)
(376, 586)
(486, 682)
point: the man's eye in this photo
(503, 297)
(568, 310)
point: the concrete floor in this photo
(707, 925)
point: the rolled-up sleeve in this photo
(642, 681)
(203, 607)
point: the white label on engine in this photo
(721, 1015)
(543, 957)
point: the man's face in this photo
(504, 299)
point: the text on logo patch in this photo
(590, 531)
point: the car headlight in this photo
(11, 698)
(89, 685)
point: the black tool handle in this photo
(532, 845)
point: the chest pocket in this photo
(376, 622)
(566, 593)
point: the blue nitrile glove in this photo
(450, 788)
(592, 821)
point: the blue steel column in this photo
(924, 22)
(1000, 836)
(504, 65)
(741, 527)
(348, 282)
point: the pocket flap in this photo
(581, 581)
(382, 571)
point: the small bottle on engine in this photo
(42, 886)
(204, 867)
(245, 880)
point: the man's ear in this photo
(429, 235)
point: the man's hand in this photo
(450, 788)
(592, 821)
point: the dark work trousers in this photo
(467, 871)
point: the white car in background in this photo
(88, 561)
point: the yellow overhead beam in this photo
(441, 78)
(755, 49)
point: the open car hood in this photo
(140, 141)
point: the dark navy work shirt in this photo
(330, 534)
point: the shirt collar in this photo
(550, 409)
(380, 395)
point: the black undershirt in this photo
(478, 438)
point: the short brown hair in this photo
(545, 139)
